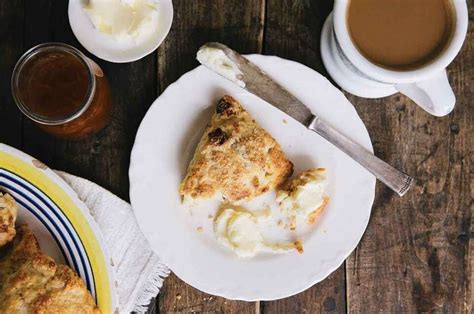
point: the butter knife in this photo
(230, 64)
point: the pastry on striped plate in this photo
(7, 218)
(31, 282)
(236, 159)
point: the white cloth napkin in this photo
(138, 270)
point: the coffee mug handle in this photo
(435, 95)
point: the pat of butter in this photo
(122, 18)
(239, 231)
(305, 194)
(216, 60)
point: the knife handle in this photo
(393, 178)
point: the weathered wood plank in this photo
(39, 28)
(104, 158)
(293, 30)
(239, 24)
(296, 37)
(178, 297)
(324, 297)
(11, 47)
(416, 255)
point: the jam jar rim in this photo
(30, 53)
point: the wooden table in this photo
(417, 253)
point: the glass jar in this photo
(65, 93)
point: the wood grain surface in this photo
(417, 252)
(295, 36)
(240, 24)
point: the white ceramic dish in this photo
(428, 85)
(105, 47)
(165, 143)
(61, 222)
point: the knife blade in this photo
(233, 66)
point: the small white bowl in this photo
(105, 47)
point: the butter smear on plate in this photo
(238, 230)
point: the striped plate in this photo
(61, 222)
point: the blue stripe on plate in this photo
(67, 226)
(53, 233)
(39, 208)
(83, 268)
(57, 229)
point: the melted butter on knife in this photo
(216, 60)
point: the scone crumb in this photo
(210, 216)
(178, 297)
(199, 229)
(313, 216)
(299, 246)
(292, 223)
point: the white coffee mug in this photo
(427, 85)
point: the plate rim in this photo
(54, 187)
(275, 296)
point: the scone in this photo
(8, 214)
(25, 247)
(304, 196)
(31, 282)
(235, 159)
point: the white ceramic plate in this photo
(165, 143)
(61, 222)
(106, 47)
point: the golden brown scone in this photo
(25, 247)
(304, 196)
(8, 212)
(235, 158)
(31, 282)
(41, 286)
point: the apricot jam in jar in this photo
(62, 91)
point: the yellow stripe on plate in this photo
(91, 245)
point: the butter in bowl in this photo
(120, 30)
